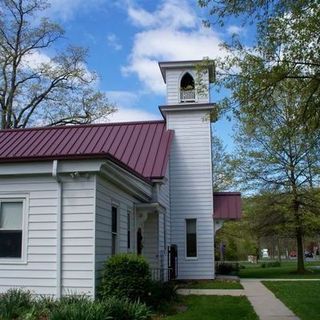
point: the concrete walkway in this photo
(264, 302)
(211, 292)
(268, 279)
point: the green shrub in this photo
(19, 305)
(226, 268)
(125, 276)
(15, 304)
(123, 309)
(161, 294)
(42, 308)
(79, 310)
(273, 264)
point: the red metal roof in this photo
(227, 205)
(140, 147)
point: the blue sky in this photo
(126, 39)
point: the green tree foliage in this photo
(36, 89)
(222, 169)
(280, 153)
(287, 46)
(275, 88)
(239, 239)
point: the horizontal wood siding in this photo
(78, 235)
(106, 196)
(38, 274)
(173, 78)
(191, 190)
(150, 240)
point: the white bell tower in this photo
(187, 112)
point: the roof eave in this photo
(164, 65)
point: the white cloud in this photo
(141, 17)
(172, 32)
(132, 114)
(67, 9)
(122, 98)
(113, 42)
(173, 13)
(233, 29)
(35, 59)
(125, 102)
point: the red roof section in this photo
(140, 147)
(227, 205)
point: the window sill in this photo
(8, 261)
(191, 258)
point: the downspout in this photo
(55, 175)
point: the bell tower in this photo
(188, 81)
(187, 112)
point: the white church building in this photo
(72, 196)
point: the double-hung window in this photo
(191, 238)
(11, 228)
(114, 230)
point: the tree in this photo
(222, 169)
(36, 89)
(275, 88)
(287, 47)
(280, 153)
(250, 10)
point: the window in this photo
(129, 229)
(11, 229)
(191, 238)
(114, 230)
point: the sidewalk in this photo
(274, 279)
(264, 302)
(211, 292)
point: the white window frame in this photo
(24, 223)
(179, 87)
(185, 237)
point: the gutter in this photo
(55, 175)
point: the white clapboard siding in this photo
(150, 236)
(173, 78)
(191, 190)
(107, 195)
(78, 235)
(38, 273)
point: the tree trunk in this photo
(299, 237)
(300, 253)
(3, 112)
(279, 250)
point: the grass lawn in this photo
(214, 308)
(286, 271)
(211, 284)
(301, 297)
